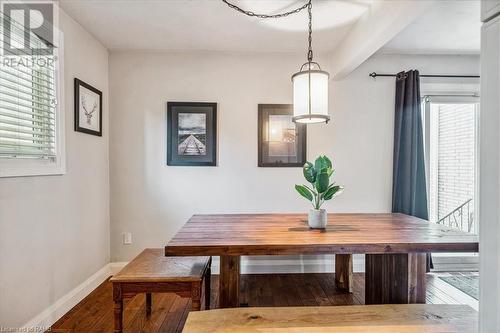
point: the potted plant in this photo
(321, 189)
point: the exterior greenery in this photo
(318, 175)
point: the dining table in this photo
(395, 246)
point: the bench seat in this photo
(152, 272)
(151, 265)
(400, 318)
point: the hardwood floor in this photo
(95, 312)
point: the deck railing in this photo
(461, 218)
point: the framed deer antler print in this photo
(88, 108)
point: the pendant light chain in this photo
(310, 51)
(250, 13)
(308, 5)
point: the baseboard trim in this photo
(115, 267)
(50, 315)
(290, 264)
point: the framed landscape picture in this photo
(88, 108)
(191, 134)
(282, 143)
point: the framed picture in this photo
(282, 143)
(191, 134)
(88, 108)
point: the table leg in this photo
(343, 272)
(229, 282)
(395, 278)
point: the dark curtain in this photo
(409, 189)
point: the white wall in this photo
(153, 200)
(54, 230)
(489, 175)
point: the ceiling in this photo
(449, 27)
(212, 25)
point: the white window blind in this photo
(27, 101)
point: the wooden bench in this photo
(407, 318)
(153, 272)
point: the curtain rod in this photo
(451, 95)
(374, 75)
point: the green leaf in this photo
(320, 163)
(327, 161)
(332, 191)
(323, 163)
(304, 191)
(322, 181)
(309, 172)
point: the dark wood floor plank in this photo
(161, 307)
(90, 299)
(329, 287)
(182, 320)
(277, 291)
(266, 297)
(176, 315)
(291, 295)
(94, 314)
(90, 310)
(250, 291)
(319, 293)
(244, 291)
(304, 293)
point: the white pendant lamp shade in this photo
(310, 84)
(310, 96)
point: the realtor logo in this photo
(28, 28)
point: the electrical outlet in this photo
(127, 238)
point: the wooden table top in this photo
(414, 318)
(274, 234)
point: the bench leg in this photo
(149, 303)
(343, 272)
(207, 288)
(118, 307)
(196, 296)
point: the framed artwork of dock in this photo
(281, 142)
(191, 134)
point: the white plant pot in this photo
(318, 218)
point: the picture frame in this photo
(281, 142)
(88, 108)
(191, 134)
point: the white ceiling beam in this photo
(383, 21)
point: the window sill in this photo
(29, 168)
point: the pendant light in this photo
(310, 88)
(310, 83)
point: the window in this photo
(31, 124)
(451, 160)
